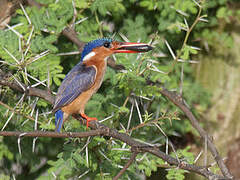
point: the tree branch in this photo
(97, 132)
(132, 158)
(179, 102)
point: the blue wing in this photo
(78, 80)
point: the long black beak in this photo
(128, 47)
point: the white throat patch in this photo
(89, 55)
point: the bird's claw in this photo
(88, 119)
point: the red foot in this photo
(88, 118)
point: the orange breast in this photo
(78, 105)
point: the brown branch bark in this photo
(132, 158)
(97, 132)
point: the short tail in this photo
(58, 120)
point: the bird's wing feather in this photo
(78, 80)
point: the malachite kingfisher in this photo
(86, 77)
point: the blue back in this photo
(93, 44)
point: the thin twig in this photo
(132, 158)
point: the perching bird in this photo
(86, 77)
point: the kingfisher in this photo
(86, 77)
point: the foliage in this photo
(31, 54)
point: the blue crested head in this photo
(93, 44)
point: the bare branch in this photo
(98, 132)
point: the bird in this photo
(86, 77)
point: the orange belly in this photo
(78, 104)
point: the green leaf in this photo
(222, 12)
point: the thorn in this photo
(25, 72)
(29, 38)
(25, 13)
(20, 47)
(123, 127)
(170, 49)
(185, 21)
(87, 155)
(54, 175)
(40, 82)
(120, 149)
(79, 177)
(68, 53)
(130, 117)
(104, 155)
(180, 12)
(20, 84)
(74, 13)
(4, 62)
(156, 69)
(13, 30)
(88, 141)
(34, 105)
(10, 117)
(113, 35)
(197, 3)
(181, 79)
(198, 156)
(196, 48)
(19, 143)
(139, 113)
(14, 26)
(160, 129)
(15, 59)
(39, 56)
(167, 145)
(34, 142)
(36, 121)
(48, 81)
(203, 20)
(109, 117)
(81, 20)
(124, 37)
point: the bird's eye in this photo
(106, 44)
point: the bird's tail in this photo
(58, 120)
